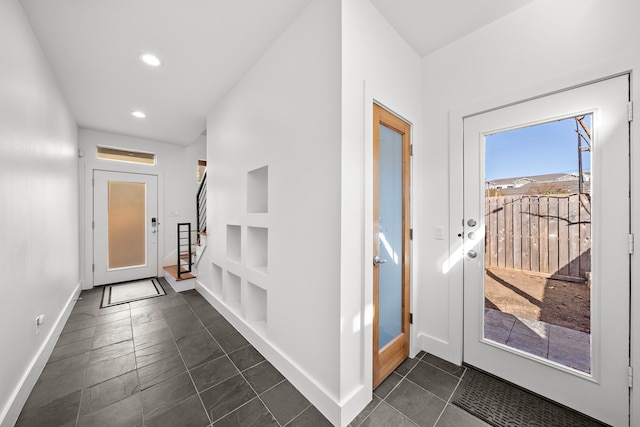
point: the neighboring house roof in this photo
(564, 182)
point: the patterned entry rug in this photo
(504, 405)
(121, 293)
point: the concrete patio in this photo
(556, 343)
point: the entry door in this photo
(546, 241)
(391, 249)
(125, 237)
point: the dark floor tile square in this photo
(57, 412)
(122, 316)
(151, 338)
(365, 412)
(159, 371)
(149, 327)
(79, 335)
(213, 372)
(232, 342)
(285, 402)
(139, 319)
(419, 405)
(406, 366)
(448, 367)
(72, 349)
(310, 417)
(246, 357)
(184, 326)
(188, 413)
(220, 328)
(109, 392)
(385, 415)
(111, 368)
(253, 414)
(387, 385)
(45, 392)
(263, 376)
(434, 380)
(154, 353)
(198, 348)
(109, 352)
(125, 412)
(226, 397)
(65, 366)
(456, 417)
(165, 395)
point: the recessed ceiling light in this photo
(150, 59)
(138, 114)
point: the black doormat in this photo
(504, 405)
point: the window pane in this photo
(127, 224)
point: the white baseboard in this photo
(13, 406)
(338, 413)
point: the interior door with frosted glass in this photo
(125, 226)
(391, 239)
(546, 257)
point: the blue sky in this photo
(535, 150)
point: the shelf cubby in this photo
(234, 243)
(257, 248)
(233, 291)
(257, 190)
(256, 305)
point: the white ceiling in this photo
(205, 45)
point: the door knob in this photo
(378, 261)
(472, 254)
(471, 223)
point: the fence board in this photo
(542, 234)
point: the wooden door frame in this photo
(385, 360)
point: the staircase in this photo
(191, 244)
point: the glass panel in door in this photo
(390, 235)
(127, 234)
(538, 240)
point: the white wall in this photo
(544, 45)
(38, 218)
(377, 65)
(176, 170)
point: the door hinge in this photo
(93, 268)
(631, 243)
(93, 225)
(93, 181)
(411, 150)
(630, 376)
(630, 110)
(411, 234)
(411, 318)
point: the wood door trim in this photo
(387, 359)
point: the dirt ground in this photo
(553, 301)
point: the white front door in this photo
(125, 221)
(531, 227)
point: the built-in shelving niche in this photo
(256, 307)
(216, 280)
(257, 248)
(233, 292)
(257, 190)
(234, 243)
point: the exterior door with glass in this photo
(125, 226)
(391, 242)
(546, 246)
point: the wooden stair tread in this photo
(173, 272)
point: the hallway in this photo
(175, 361)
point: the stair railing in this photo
(201, 207)
(185, 250)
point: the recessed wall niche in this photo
(256, 305)
(257, 190)
(257, 248)
(232, 291)
(234, 245)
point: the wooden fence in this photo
(549, 235)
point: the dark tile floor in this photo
(175, 361)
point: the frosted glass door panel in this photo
(390, 235)
(127, 224)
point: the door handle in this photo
(378, 261)
(472, 254)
